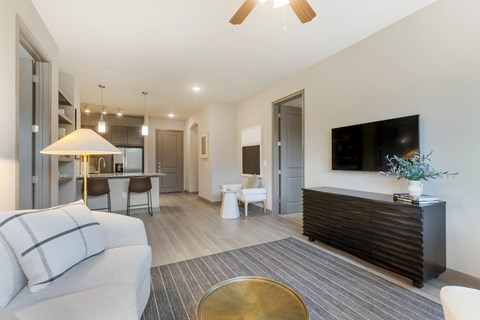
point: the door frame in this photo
(43, 102)
(275, 149)
(183, 153)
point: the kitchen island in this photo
(118, 183)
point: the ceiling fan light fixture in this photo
(280, 3)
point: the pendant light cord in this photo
(101, 100)
(144, 106)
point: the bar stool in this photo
(140, 185)
(98, 187)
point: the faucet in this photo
(98, 164)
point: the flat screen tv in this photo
(363, 147)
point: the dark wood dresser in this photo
(405, 238)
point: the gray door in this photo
(170, 160)
(291, 160)
(26, 155)
(34, 168)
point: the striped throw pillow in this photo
(48, 242)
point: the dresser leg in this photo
(417, 284)
(311, 239)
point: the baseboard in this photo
(188, 192)
(462, 279)
(208, 201)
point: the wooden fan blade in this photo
(243, 12)
(303, 10)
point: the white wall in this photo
(427, 64)
(194, 156)
(223, 147)
(14, 13)
(155, 124)
(218, 120)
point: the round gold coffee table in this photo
(251, 298)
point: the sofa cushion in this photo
(115, 301)
(6, 315)
(48, 242)
(12, 278)
(253, 182)
(120, 265)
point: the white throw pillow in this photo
(253, 182)
(48, 242)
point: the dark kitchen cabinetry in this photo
(407, 239)
(127, 136)
(119, 135)
(134, 136)
(107, 135)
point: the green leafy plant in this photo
(416, 168)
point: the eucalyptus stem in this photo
(416, 168)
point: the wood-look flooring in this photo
(187, 228)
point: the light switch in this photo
(264, 163)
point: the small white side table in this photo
(229, 205)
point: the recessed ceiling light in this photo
(171, 115)
(196, 89)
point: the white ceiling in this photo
(167, 47)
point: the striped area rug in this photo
(331, 287)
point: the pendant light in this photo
(145, 117)
(102, 128)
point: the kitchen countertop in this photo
(123, 175)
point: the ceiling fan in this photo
(301, 8)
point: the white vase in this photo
(415, 188)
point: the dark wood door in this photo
(170, 159)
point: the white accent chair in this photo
(460, 303)
(253, 192)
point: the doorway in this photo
(33, 129)
(169, 158)
(288, 154)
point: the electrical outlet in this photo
(124, 195)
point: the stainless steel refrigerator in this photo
(131, 160)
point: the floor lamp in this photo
(83, 142)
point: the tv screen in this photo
(363, 147)
(251, 159)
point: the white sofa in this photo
(460, 303)
(114, 284)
